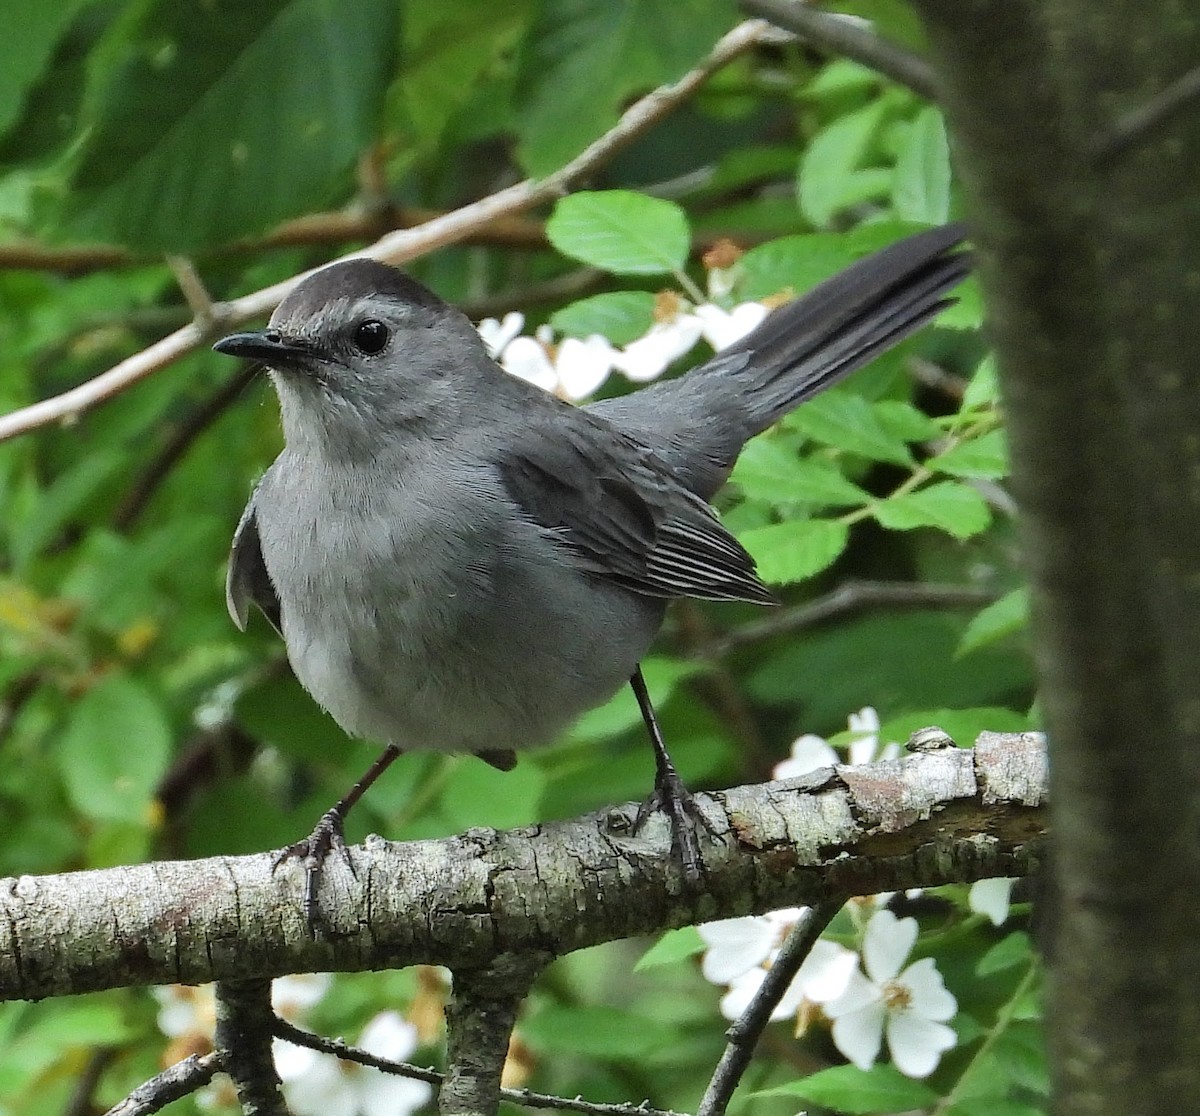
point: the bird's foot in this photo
(672, 798)
(328, 836)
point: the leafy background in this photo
(138, 723)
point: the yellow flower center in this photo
(896, 996)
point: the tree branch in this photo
(850, 39)
(953, 815)
(174, 1083)
(245, 1027)
(851, 596)
(744, 1034)
(395, 247)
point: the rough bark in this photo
(951, 815)
(1079, 150)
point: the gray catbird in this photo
(458, 560)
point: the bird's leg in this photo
(329, 835)
(670, 795)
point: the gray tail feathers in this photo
(815, 341)
(698, 423)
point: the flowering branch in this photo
(744, 1034)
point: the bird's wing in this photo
(247, 580)
(622, 515)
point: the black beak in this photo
(267, 346)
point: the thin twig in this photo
(397, 247)
(744, 1034)
(526, 1097)
(174, 1083)
(195, 424)
(849, 597)
(195, 293)
(851, 39)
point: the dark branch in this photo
(849, 597)
(174, 1083)
(850, 39)
(245, 1027)
(744, 1034)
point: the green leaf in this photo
(586, 58)
(905, 422)
(985, 456)
(921, 190)
(999, 619)
(67, 496)
(621, 316)
(32, 28)
(1008, 953)
(792, 263)
(210, 128)
(450, 50)
(792, 551)
(881, 1089)
(848, 422)
(947, 505)
(114, 752)
(476, 794)
(983, 390)
(621, 231)
(826, 181)
(767, 470)
(674, 946)
(620, 713)
(596, 1031)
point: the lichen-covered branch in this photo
(953, 815)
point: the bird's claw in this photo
(673, 798)
(328, 836)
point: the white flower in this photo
(991, 898)
(294, 996)
(721, 328)
(527, 358)
(651, 354)
(822, 976)
(809, 752)
(911, 1006)
(865, 747)
(497, 335)
(582, 366)
(577, 369)
(186, 1011)
(316, 1084)
(741, 950)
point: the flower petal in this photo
(648, 356)
(389, 1035)
(744, 988)
(886, 944)
(917, 1044)
(525, 358)
(735, 946)
(386, 1094)
(858, 994)
(991, 898)
(827, 972)
(496, 335)
(582, 366)
(723, 328)
(859, 1035)
(928, 995)
(809, 752)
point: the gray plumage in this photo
(460, 561)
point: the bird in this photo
(459, 560)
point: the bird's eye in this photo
(371, 336)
